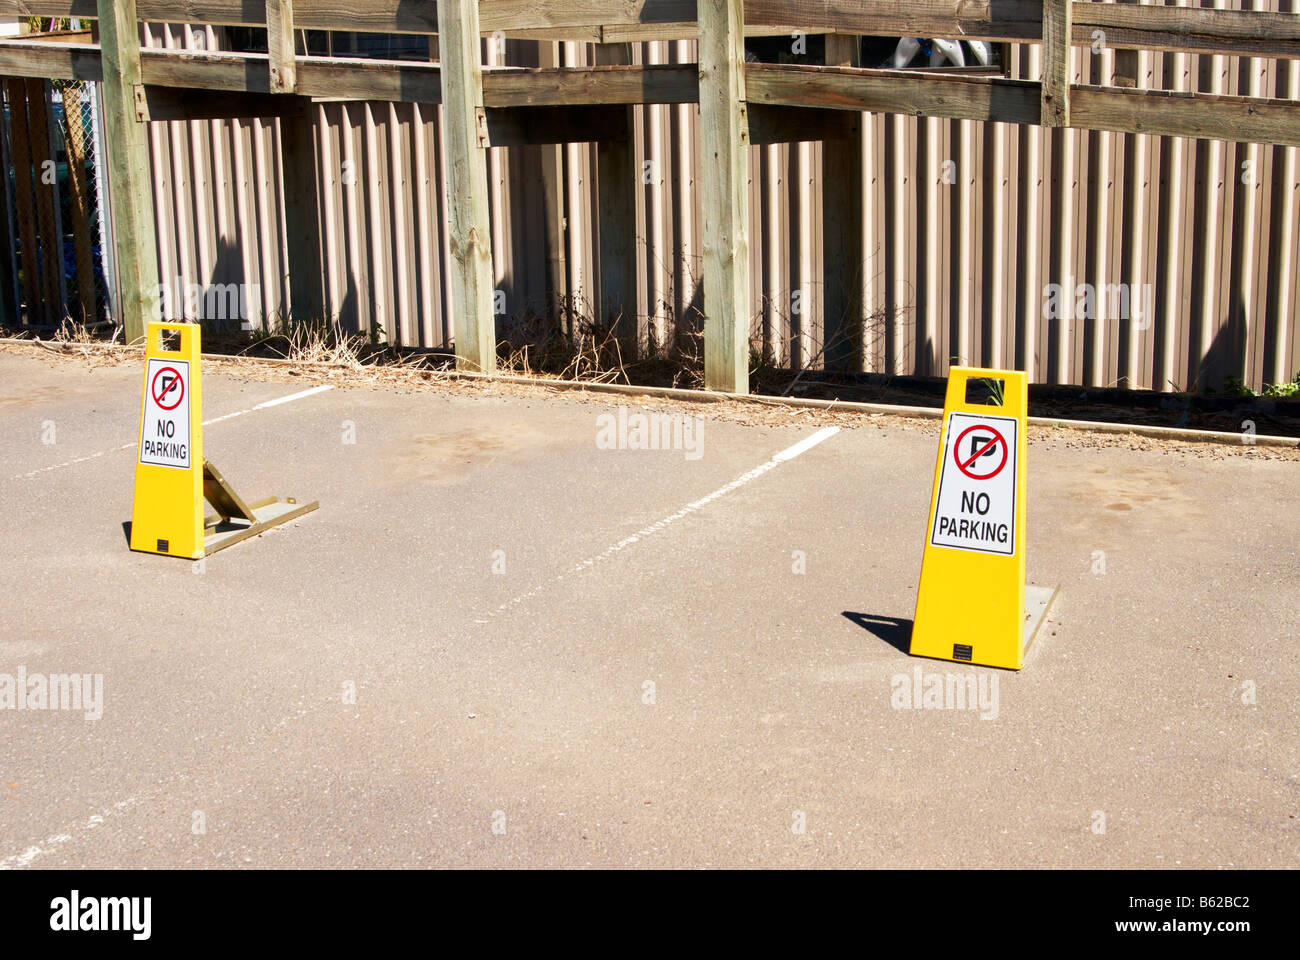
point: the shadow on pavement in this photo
(893, 630)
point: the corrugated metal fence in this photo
(1083, 257)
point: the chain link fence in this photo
(85, 282)
(55, 244)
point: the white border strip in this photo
(229, 416)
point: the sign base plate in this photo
(1038, 604)
(221, 532)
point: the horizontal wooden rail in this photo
(1123, 26)
(1247, 119)
(956, 96)
(337, 78)
(959, 97)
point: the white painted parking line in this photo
(803, 446)
(269, 403)
(52, 843)
(266, 404)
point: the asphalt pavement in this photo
(498, 644)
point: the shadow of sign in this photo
(895, 631)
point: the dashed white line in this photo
(311, 391)
(266, 404)
(229, 416)
(55, 840)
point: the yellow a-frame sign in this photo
(167, 516)
(171, 477)
(970, 605)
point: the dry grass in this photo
(416, 375)
(573, 344)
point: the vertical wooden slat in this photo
(437, 155)
(552, 173)
(426, 248)
(376, 194)
(1132, 333)
(245, 232)
(168, 218)
(801, 255)
(498, 167)
(128, 162)
(225, 271)
(1176, 239)
(724, 146)
(178, 234)
(616, 185)
(1286, 350)
(874, 292)
(302, 222)
(356, 299)
(900, 211)
(964, 276)
(1256, 223)
(1032, 254)
(469, 232)
(998, 246)
(200, 182)
(400, 201)
(685, 279)
(932, 191)
(770, 246)
(653, 260)
(842, 260)
(331, 245)
(263, 202)
(756, 268)
(1215, 181)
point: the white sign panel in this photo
(976, 506)
(165, 426)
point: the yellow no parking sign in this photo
(172, 478)
(167, 516)
(970, 605)
(975, 507)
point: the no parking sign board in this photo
(970, 604)
(167, 516)
(165, 425)
(976, 505)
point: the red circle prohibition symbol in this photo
(982, 451)
(174, 385)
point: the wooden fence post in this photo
(1057, 25)
(280, 46)
(724, 152)
(464, 129)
